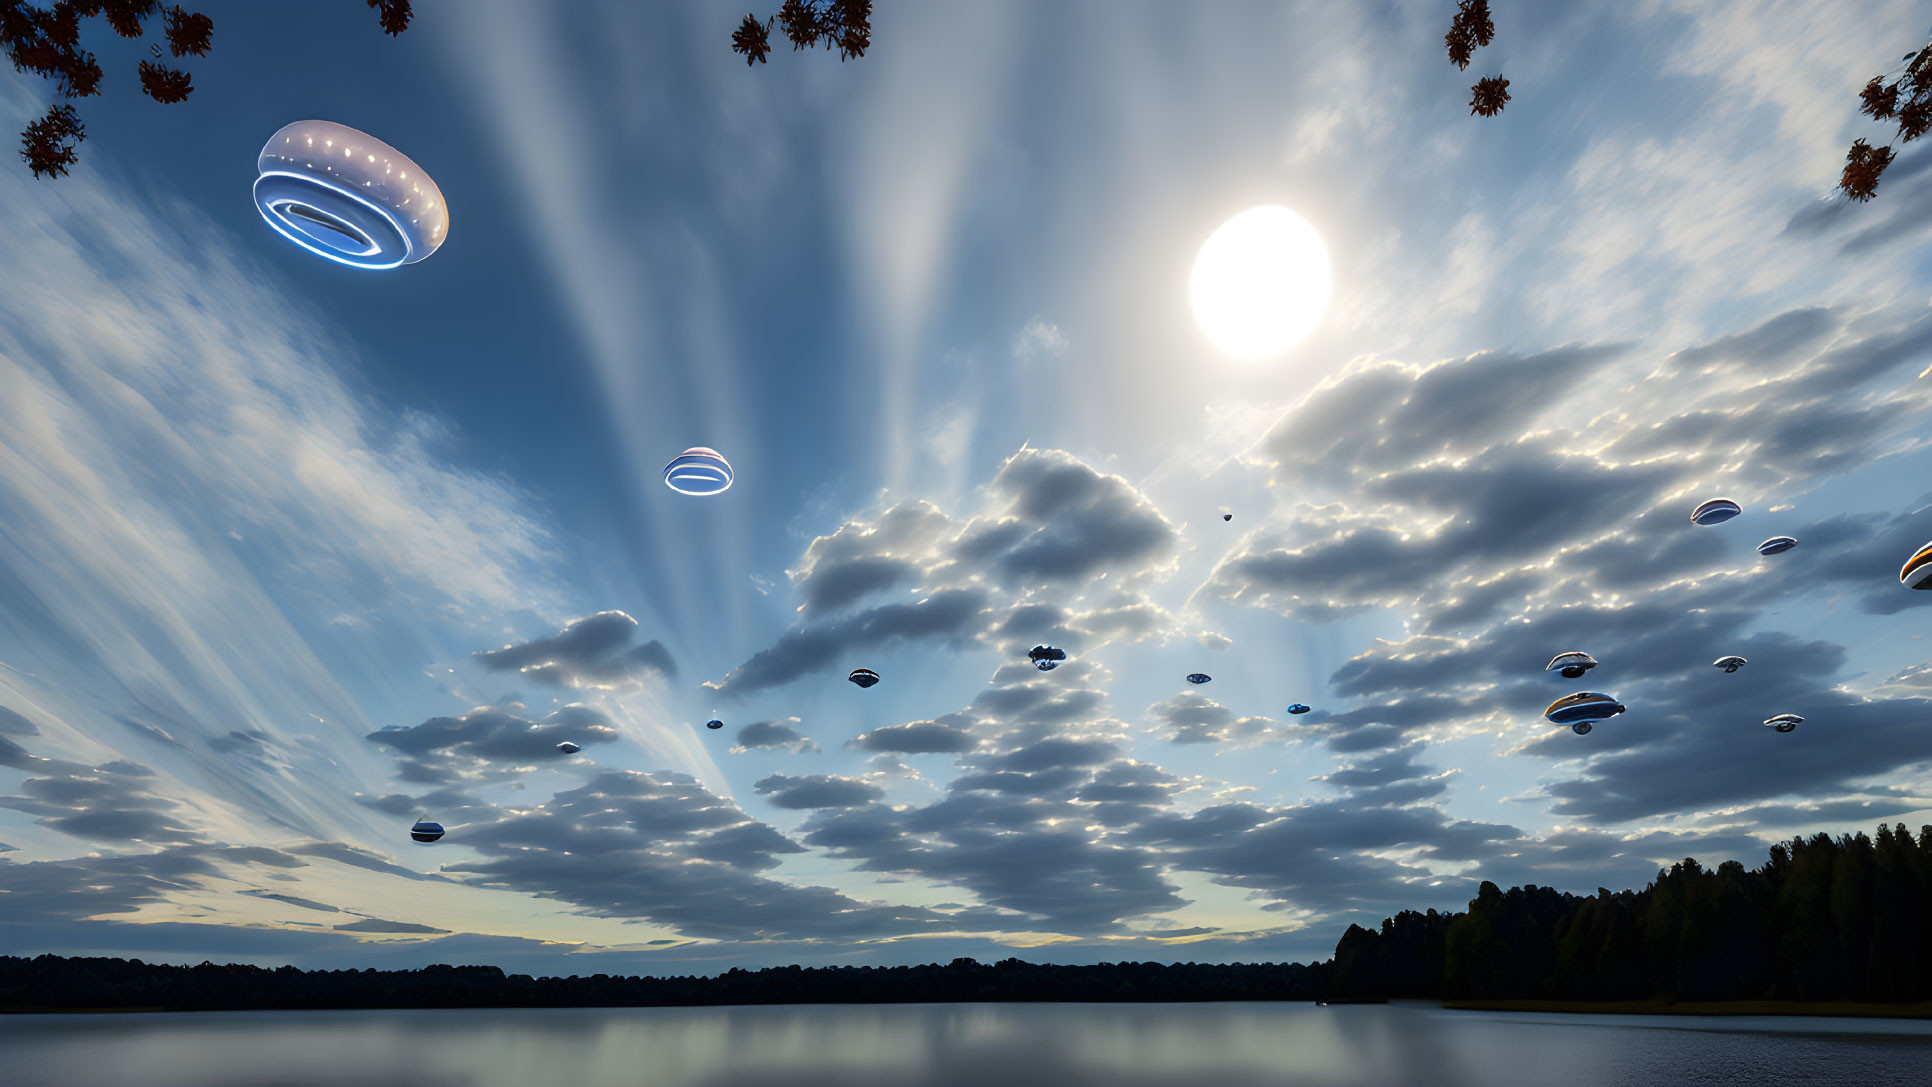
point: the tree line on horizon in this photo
(1846, 918)
(1825, 919)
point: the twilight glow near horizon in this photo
(293, 554)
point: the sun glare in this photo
(1260, 283)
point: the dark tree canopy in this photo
(1907, 102)
(1825, 919)
(44, 39)
(1491, 94)
(845, 25)
(1472, 27)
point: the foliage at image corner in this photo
(46, 41)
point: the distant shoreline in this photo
(1707, 1009)
(1837, 1009)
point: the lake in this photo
(954, 1045)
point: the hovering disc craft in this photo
(347, 196)
(1582, 710)
(714, 724)
(568, 748)
(1784, 722)
(426, 832)
(1715, 512)
(1729, 664)
(1045, 657)
(698, 471)
(1298, 708)
(864, 677)
(1571, 665)
(1199, 677)
(1777, 545)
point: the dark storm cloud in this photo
(373, 924)
(1385, 415)
(774, 734)
(1865, 553)
(12, 723)
(362, 858)
(1315, 857)
(1779, 339)
(1065, 522)
(1049, 521)
(1389, 778)
(834, 585)
(1694, 747)
(1508, 504)
(66, 890)
(1902, 218)
(950, 616)
(595, 651)
(305, 903)
(661, 847)
(915, 738)
(1193, 718)
(107, 803)
(818, 791)
(445, 750)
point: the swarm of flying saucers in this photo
(1572, 665)
(426, 832)
(698, 471)
(347, 196)
(1715, 512)
(864, 677)
(1729, 664)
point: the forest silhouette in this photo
(1825, 919)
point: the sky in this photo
(293, 554)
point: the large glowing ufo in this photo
(347, 196)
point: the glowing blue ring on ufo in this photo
(307, 214)
(347, 196)
(698, 471)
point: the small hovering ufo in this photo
(1045, 657)
(1572, 664)
(1581, 710)
(568, 748)
(1784, 722)
(714, 723)
(1298, 708)
(1715, 512)
(698, 470)
(426, 832)
(1729, 664)
(1777, 545)
(864, 677)
(1198, 677)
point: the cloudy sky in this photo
(293, 554)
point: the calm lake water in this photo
(1001, 1045)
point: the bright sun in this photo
(1260, 283)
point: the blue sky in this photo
(256, 508)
